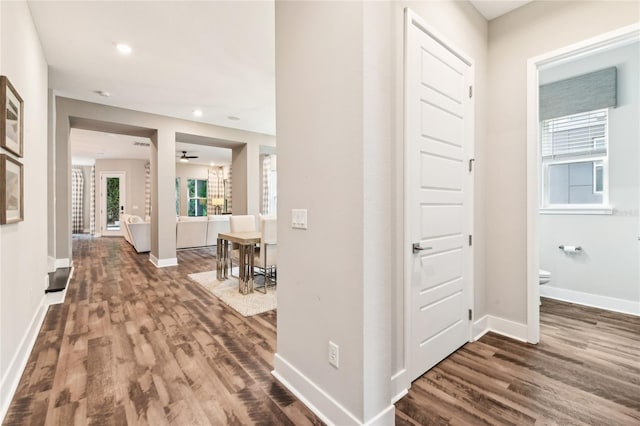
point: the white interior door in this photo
(438, 187)
(112, 202)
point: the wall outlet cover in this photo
(334, 354)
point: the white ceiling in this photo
(207, 155)
(218, 56)
(87, 146)
(491, 9)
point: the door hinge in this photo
(470, 240)
(470, 314)
(471, 160)
(470, 92)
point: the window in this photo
(177, 196)
(196, 197)
(574, 152)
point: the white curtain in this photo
(226, 172)
(147, 189)
(92, 202)
(266, 187)
(77, 192)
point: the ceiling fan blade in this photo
(185, 156)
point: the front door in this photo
(112, 202)
(438, 186)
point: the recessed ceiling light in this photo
(197, 112)
(102, 93)
(124, 48)
(212, 164)
(233, 117)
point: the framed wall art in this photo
(11, 117)
(11, 190)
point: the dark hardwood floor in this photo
(133, 344)
(584, 371)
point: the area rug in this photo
(227, 291)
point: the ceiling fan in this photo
(185, 158)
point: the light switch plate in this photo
(299, 218)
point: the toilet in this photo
(545, 276)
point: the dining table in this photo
(246, 242)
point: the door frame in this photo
(411, 18)
(604, 41)
(123, 202)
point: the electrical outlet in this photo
(334, 354)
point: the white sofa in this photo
(200, 231)
(137, 232)
(217, 224)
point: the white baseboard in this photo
(399, 385)
(480, 327)
(163, 263)
(62, 263)
(97, 235)
(51, 264)
(11, 379)
(593, 300)
(384, 418)
(504, 327)
(508, 328)
(318, 401)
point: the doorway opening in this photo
(582, 158)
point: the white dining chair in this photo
(266, 258)
(240, 223)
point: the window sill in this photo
(582, 210)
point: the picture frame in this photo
(11, 190)
(11, 118)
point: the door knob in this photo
(416, 248)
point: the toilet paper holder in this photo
(570, 248)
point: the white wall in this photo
(189, 171)
(23, 249)
(607, 265)
(135, 174)
(320, 58)
(353, 54)
(530, 31)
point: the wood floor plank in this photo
(137, 345)
(584, 371)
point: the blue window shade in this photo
(588, 92)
